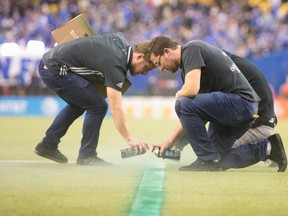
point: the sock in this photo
(268, 151)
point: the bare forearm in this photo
(119, 120)
(191, 86)
(177, 134)
(169, 143)
(186, 92)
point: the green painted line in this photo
(150, 195)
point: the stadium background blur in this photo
(255, 29)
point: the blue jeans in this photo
(80, 96)
(239, 157)
(229, 115)
(245, 155)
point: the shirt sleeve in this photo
(192, 58)
(114, 77)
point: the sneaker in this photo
(202, 165)
(277, 152)
(92, 161)
(52, 154)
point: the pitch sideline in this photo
(29, 161)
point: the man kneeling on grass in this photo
(214, 90)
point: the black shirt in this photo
(103, 59)
(218, 71)
(261, 87)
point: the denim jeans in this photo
(245, 155)
(240, 156)
(80, 96)
(229, 117)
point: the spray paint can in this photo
(129, 152)
(173, 154)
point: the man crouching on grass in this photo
(214, 90)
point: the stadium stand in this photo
(250, 28)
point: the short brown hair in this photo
(159, 43)
(142, 47)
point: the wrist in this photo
(128, 139)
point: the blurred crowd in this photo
(247, 27)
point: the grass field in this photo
(142, 185)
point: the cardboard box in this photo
(76, 28)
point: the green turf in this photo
(30, 185)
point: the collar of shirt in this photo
(129, 56)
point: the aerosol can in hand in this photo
(129, 152)
(173, 154)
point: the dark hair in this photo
(158, 44)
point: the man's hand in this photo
(140, 146)
(163, 147)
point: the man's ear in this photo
(166, 50)
(140, 56)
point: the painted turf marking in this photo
(149, 197)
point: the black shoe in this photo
(277, 152)
(92, 161)
(52, 154)
(202, 165)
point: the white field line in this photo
(30, 161)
